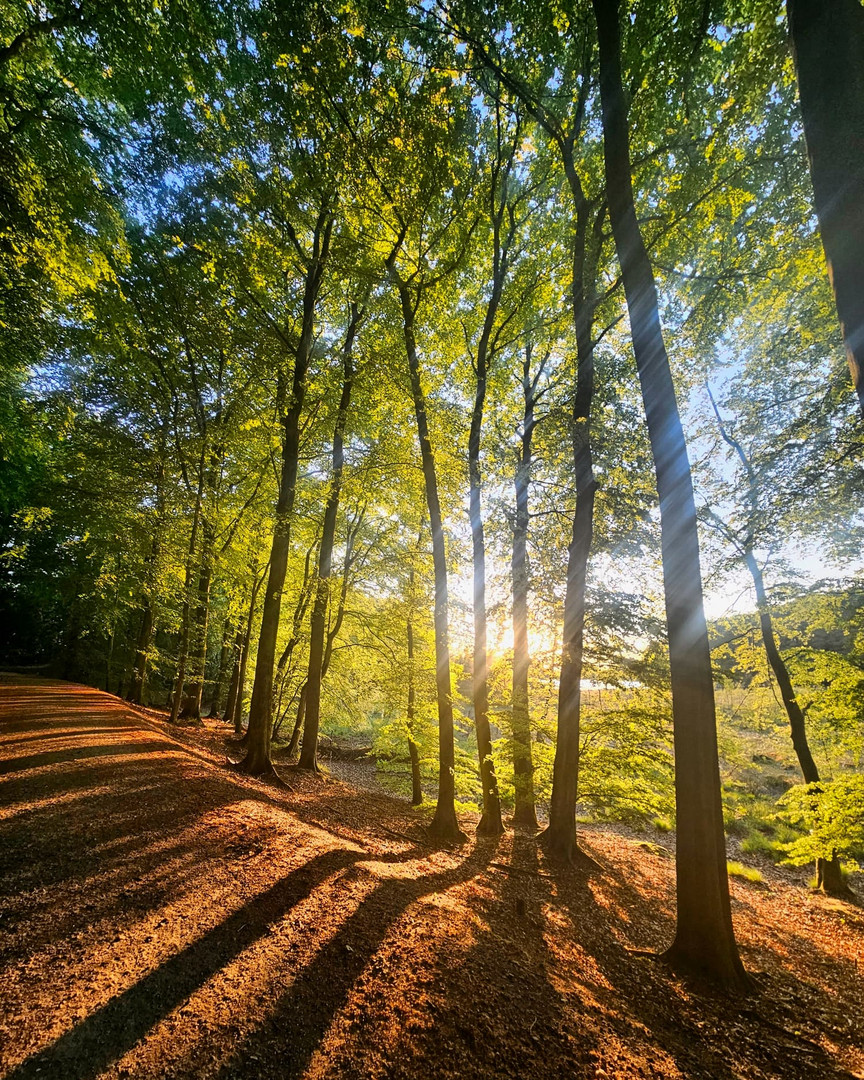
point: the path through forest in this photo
(161, 916)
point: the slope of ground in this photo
(161, 916)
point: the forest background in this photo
(251, 252)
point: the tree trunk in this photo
(145, 634)
(524, 815)
(257, 761)
(233, 685)
(110, 658)
(704, 940)
(182, 658)
(490, 821)
(318, 625)
(828, 48)
(444, 823)
(560, 836)
(293, 641)
(222, 671)
(298, 722)
(829, 875)
(237, 716)
(139, 671)
(190, 708)
(413, 753)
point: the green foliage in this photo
(833, 815)
(162, 173)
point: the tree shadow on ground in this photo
(642, 995)
(298, 1021)
(106, 1034)
(531, 979)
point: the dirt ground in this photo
(161, 916)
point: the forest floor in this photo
(162, 916)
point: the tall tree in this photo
(828, 48)
(829, 873)
(704, 939)
(257, 761)
(309, 753)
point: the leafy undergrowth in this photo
(163, 916)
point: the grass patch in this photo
(737, 869)
(756, 843)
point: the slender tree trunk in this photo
(109, 659)
(560, 837)
(257, 761)
(561, 834)
(524, 815)
(142, 648)
(291, 644)
(332, 634)
(145, 634)
(828, 48)
(413, 752)
(237, 716)
(444, 823)
(190, 708)
(502, 241)
(233, 685)
(704, 941)
(222, 671)
(182, 658)
(490, 821)
(829, 874)
(318, 626)
(298, 721)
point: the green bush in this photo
(832, 814)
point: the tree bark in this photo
(257, 761)
(190, 708)
(222, 670)
(318, 625)
(444, 824)
(298, 722)
(293, 641)
(828, 49)
(829, 874)
(182, 658)
(560, 837)
(413, 752)
(332, 634)
(145, 634)
(234, 714)
(233, 685)
(704, 941)
(525, 814)
(142, 648)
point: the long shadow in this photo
(294, 1029)
(71, 732)
(139, 748)
(673, 1026)
(500, 1007)
(105, 1035)
(108, 852)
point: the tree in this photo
(828, 47)
(828, 870)
(704, 939)
(308, 755)
(257, 761)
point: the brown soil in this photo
(161, 916)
